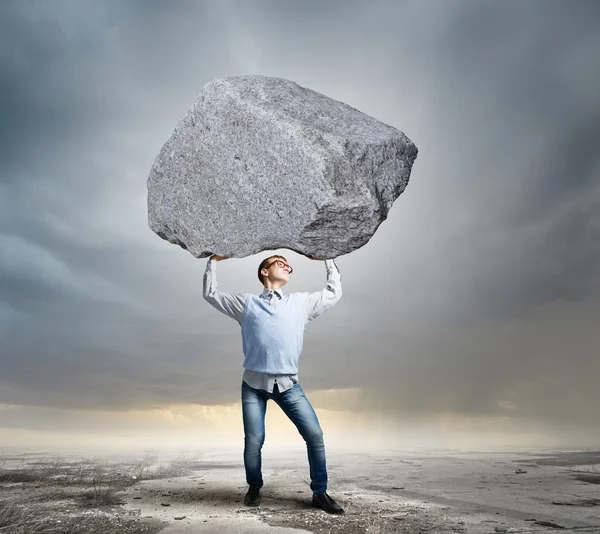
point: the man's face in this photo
(279, 269)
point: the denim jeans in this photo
(298, 408)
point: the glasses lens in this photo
(283, 265)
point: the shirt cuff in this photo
(331, 267)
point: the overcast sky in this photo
(474, 309)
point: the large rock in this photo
(262, 163)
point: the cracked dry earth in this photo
(387, 491)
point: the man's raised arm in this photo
(231, 305)
(319, 301)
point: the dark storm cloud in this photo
(499, 223)
(524, 161)
(537, 67)
(71, 77)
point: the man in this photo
(272, 337)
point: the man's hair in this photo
(266, 262)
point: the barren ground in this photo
(391, 491)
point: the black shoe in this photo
(252, 498)
(326, 503)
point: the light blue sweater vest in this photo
(272, 338)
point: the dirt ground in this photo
(390, 491)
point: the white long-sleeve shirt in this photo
(232, 305)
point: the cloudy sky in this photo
(470, 319)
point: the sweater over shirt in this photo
(272, 325)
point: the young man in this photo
(272, 337)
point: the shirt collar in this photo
(266, 291)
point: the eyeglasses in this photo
(281, 265)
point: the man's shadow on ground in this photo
(233, 498)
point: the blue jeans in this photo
(298, 408)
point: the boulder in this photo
(261, 163)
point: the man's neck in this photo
(274, 286)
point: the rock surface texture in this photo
(261, 163)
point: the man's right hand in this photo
(218, 258)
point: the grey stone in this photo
(261, 163)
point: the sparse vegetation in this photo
(102, 494)
(14, 519)
(56, 495)
(375, 525)
(593, 468)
